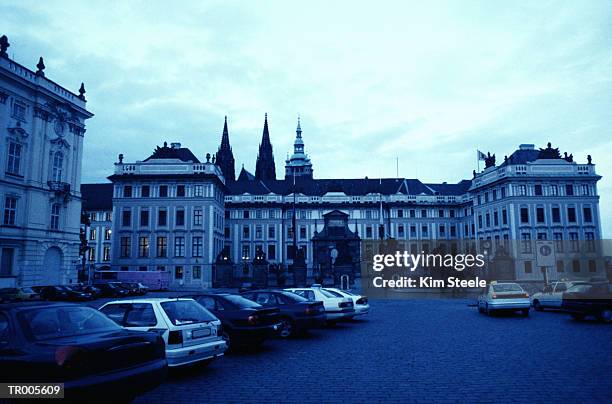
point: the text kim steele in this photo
(427, 282)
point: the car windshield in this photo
(507, 287)
(580, 288)
(293, 297)
(328, 293)
(186, 312)
(241, 302)
(333, 292)
(64, 321)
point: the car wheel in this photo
(605, 316)
(487, 310)
(287, 328)
(225, 336)
(537, 305)
(578, 316)
(525, 312)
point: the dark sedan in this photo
(296, 313)
(244, 322)
(111, 290)
(80, 347)
(64, 293)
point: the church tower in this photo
(265, 168)
(298, 164)
(225, 157)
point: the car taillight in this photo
(69, 356)
(494, 296)
(175, 337)
(252, 319)
(526, 294)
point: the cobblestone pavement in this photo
(414, 351)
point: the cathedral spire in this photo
(265, 168)
(298, 165)
(225, 156)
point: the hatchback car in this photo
(296, 313)
(336, 308)
(504, 297)
(192, 334)
(80, 347)
(244, 321)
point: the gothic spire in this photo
(225, 156)
(265, 168)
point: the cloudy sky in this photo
(428, 82)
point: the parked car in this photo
(244, 321)
(589, 299)
(360, 302)
(336, 308)
(296, 313)
(64, 293)
(18, 295)
(504, 296)
(142, 289)
(80, 347)
(551, 296)
(111, 290)
(131, 287)
(94, 291)
(191, 333)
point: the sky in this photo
(425, 82)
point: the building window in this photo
(144, 218)
(126, 247)
(453, 231)
(495, 218)
(58, 163)
(553, 190)
(178, 272)
(143, 247)
(145, 191)
(127, 191)
(179, 246)
(540, 215)
(585, 189)
(55, 216)
(106, 253)
(162, 217)
(162, 246)
(571, 215)
(163, 191)
(197, 217)
(569, 190)
(180, 190)
(246, 252)
(226, 232)
(441, 212)
(521, 190)
(560, 266)
(526, 243)
(13, 165)
(271, 252)
(576, 265)
(107, 233)
(6, 262)
(442, 230)
(423, 213)
(258, 214)
(556, 215)
(302, 232)
(592, 266)
(412, 213)
(180, 217)
(504, 217)
(245, 232)
(524, 215)
(488, 219)
(424, 231)
(245, 214)
(271, 232)
(91, 256)
(528, 267)
(259, 232)
(537, 189)
(198, 190)
(413, 232)
(93, 233)
(590, 241)
(272, 214)
(196, 246)
(558, 237)
(400, 213)
(368, 231)
(542, 236)
(574, 244)
(587, 214)
(400, 231)
(108, 216)
(196, 272)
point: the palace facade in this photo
(172, 212)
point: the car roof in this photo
(148, 300)
(264, 291)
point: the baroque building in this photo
(42, 128)
(534, 194)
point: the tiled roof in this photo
(180, 153)
(97, 196)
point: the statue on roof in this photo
(489, 160)
(549, 153)
(589, 160)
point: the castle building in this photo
(42, 129)
(534, 194)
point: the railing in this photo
(59, 187)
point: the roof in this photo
(179, 153)
(97, 196)
(352, 186)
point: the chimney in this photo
(175, 145)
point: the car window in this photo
(240, 302)
(507, 287)
(308, 294)
(65, 321)
(141, 315)
(116, 312)
(186, 312)
(266, 299)
(208, 302)
(290, 298)
(332, 292)
(250, 296)
(561, 287)
(4, 330)
(327, 293)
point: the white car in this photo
(336, 308)
(504, 296)
(552, 295)
(191, 333)
(360, 302)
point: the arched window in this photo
(58, 163)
